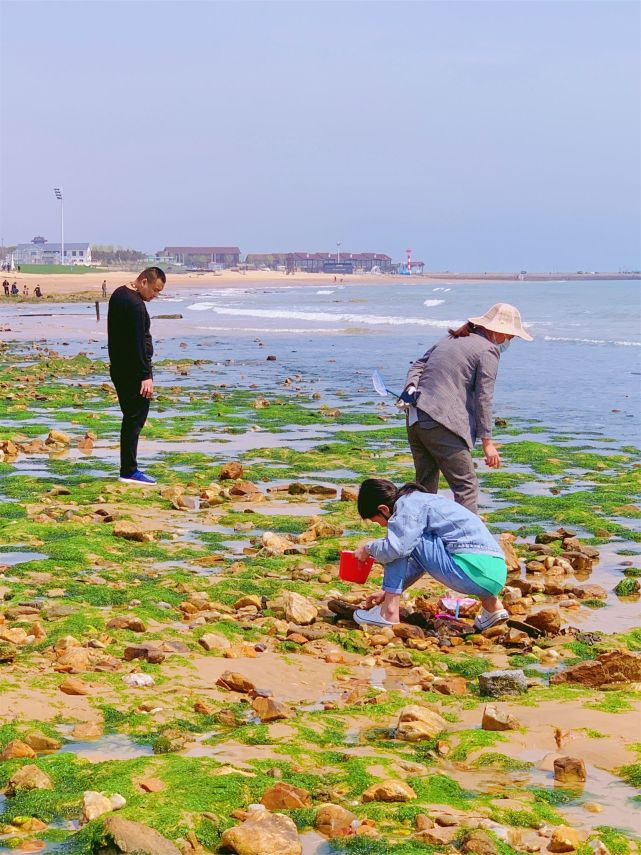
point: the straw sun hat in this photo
(502, 318)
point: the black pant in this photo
(135, 409)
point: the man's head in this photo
(150, 283)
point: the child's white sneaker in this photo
(484, 619)
(371, 617)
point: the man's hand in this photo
(361, 553)
(147, 388)
(492, 456)
(407, 399)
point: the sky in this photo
(483, 135)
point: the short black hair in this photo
(379, 491)
(151, 274)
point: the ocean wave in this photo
(441, 288)
(593, 341)
(323, 317)
(324, 292)
(293, 330)
(430, 303)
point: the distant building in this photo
(320, 262)
(202, 256)
(40, 251)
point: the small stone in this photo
(212, 641)
(507, 682)
(235, 682)
(17, 749)
(131, 622)
(267, 709)
(298, 609)
(263, 833)
(334, 821)
(569, 770)
(283, 796)
(416, 723)
(495, 719)
(71, 686)
(87, 730)
(547, 620)
(94, 805)
(134, 837)
(436, 836)
(231, 471)
(564, 839)
(389, 791)
(479, 842)
(28, 778)
(151, 785)
(131, 531)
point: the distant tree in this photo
(106, 254)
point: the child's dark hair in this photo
(379, 491)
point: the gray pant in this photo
(437, 449)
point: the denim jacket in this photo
(418, 515)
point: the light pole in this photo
(338, 251)
(58, 192)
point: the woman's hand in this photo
(491, 452)
(374, 599)
(361, 553)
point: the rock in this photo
(127, 836)
(94, 805)
(569, 770)
(231, 471)
(298, 609)
(616, 666)
(16, 749)
(130, 531)
(405, 631)
(284, 796)
(268, 709)
(416, 723)
(341, 608)
(589, 592)
(71, 686)
(245, 490)
(349, 494)
(564, 839)
(58, 437)
(334, 820)
(436, 836)
(249, 600)
(552, 536)
(212, 641)
(480, 842)
(495, 719)
(235, 682)
(323, 490)
(450, 685)
(389, 791)
(494, 684)
(263, 833)
(87, 730)
(151, 785)
(547, 620)
(39, 742)
(28, 778)
(506, 541)
(277, 544)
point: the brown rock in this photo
(569, 770)
(406, 631)
(495, 719)
(131, 622)
(298, 609)
(57, 437)
(389, 791)
(244, 489)
(480, 842)
(349, 494)
(617, 666)
(147, 652)
(16, 749)
(450, 685)
(249, 600)
(212, 641)
(235, 682)
(134, 837)
(283, 796)
(564, 839)
(130, 531)
(277, 544)
(506, 541)
(231, 471)
(547, 620)
(436, 836)
(39, 742)
(267, 709)
(423, 822)
(416, 723)
(28, 778)
(94, 804)
(264, 833)
(151, 785)
(87, 730)
(334, 820)
(72, 686)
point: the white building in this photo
(39, 251)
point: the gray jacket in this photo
(455, 384)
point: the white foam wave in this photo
(296, 330)
(441, 288)
(430, 303)
(324, 292)
(324, 317)
(593, 341)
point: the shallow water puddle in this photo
(12, 558)
(113, 746)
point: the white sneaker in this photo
(371, 617)
(484, 619)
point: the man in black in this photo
(130, 353)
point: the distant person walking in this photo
(25, 290)
(452, 387)
(104, 288)
(37, 292)
(14, 289)
(130, 354)
(5, 285)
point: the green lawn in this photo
(58, 268)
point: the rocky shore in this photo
(179, 668)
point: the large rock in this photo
(564, 839)
(416, 723)
(389, 791)
(494, 684)
(496, 719)
(17, 750)
(334, 820)
(263, 833)
(124, 835)
(617, 666)
(569, 770)
(28, 778)
(506, 541)
(231, 471)
(283, 796)
(298, 609)
(547, 620)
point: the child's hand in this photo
(361, 553)
(374, 599)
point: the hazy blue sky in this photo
(484, 135)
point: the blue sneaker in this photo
(137, 477)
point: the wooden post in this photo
(97, 310)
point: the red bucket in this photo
(353, 570)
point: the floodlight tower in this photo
(58, 194)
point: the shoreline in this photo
(86, 286)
